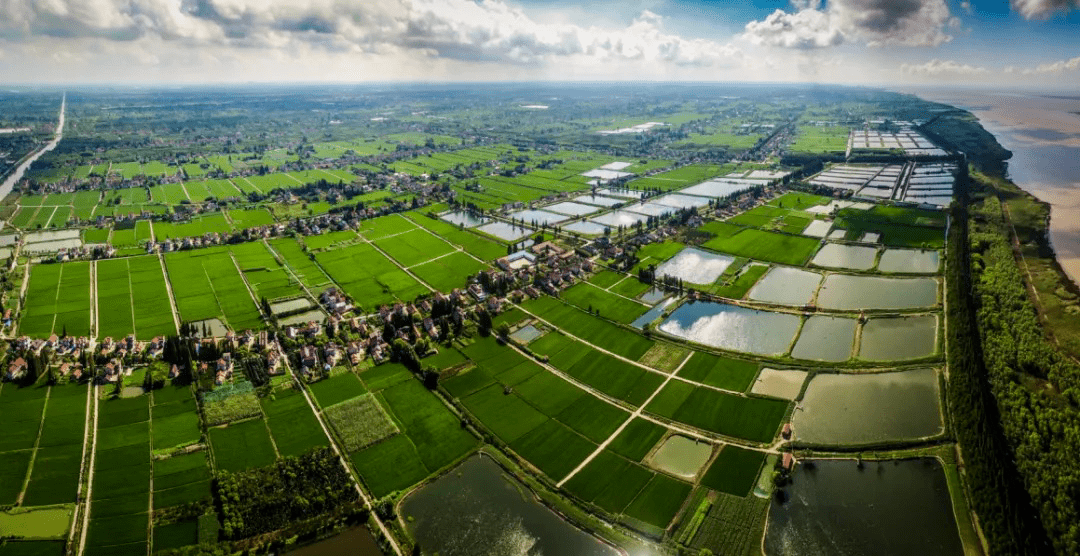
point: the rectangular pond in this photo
(462, 218)
(887, 508)
(505, 231)
(864, 408)
(733, 328)
(649, 209)
(572, 209)
(898, 338)
(845, 292)
(720, 188)
(825, 338)
(618, 218)
(585, 227)
(537, 217)
(852, 257)
(598, 200)
(786, 286)
(910, 261)
(680, 201)
(695, 266)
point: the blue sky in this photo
(875, 42)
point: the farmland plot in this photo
(120, 506)
(369, 277)
(133, 299)
(58, 300)
(207, 285)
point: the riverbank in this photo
(13, 178)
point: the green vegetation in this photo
(719, 371)
(749, 418)
(734, 471)
(230, 402)
(241, 446)
(761, 245)
(360, 422)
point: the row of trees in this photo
(1036, 388)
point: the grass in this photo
(637, 439)
(242, 446)
(722, 372)
(734, 471)
(589, 328)
(360, 422)
(753, 419)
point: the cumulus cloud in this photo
(1042, 9)
(873, 22)
(466, 30)
(937, 67)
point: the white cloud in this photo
(466, 30)
(1059, 66)
(966, 6)
(937, 67)
(1042, 9)
(873, 22)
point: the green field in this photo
(718, 371)
(734, 471)
(603, 303)
(119, 510)
(133, 299)
(206, 284)
(589, 328)
(57, 300)
(241, 446)
(368, 277)
(754, 419)
(294, 427)
(761, 245)
(54, 478)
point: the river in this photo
(1043, 132)
(14, 177)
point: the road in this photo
(17, 175)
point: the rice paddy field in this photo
(58, 300)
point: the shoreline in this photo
(1025, 124)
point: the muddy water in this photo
(682, 456)
(846, 292)
(786, 286)
(896, 338)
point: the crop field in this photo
(431, 436)
(776, 218)
(589, 328)
(609, 481)
(243, 219)
(54, 478)
(126, 237)
(360, 422)
(206, 285)
(336, 389)
(230, 402)
(603, 303)
(294, 427)
(553, 448)
(181, 479)
(611, 376)
(734, 471)
(732, 525)
(119, 510)
(305, 270)
(267, 277)
(175, 418)
(368, 277)
(448, 272)
(21, 412)
(637, 439)
(133, 299)
(243, 445)
(765, 246)
(204, 224)
(474, 244)
(754, 419)
(722, 372)
(413, 247)
(57, 300)
(899, 227)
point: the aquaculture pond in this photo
(786, 286)
(477, 510)
(695, 266)
(462, 218)
(537, 217)
(825, 338)
(852, 257)
(585, 227)
(681, 456)
(779, 383)
(356, 541)
(870, 407)
(887, 339)
(651, 314)
(889, 508)
(844, 292)
(910, 261)
(732, 327)
(618, 218)
(573, 209)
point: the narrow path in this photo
(397, 264)
(456, 250)
(150, 496)
(94, 312)
(33, 455)
(90, 479)
(80, 504)
(168, 287)
(637, 301)
(458, 247)
(251, 292)
(186, 193)
(333, 445)
(292, 273)
(637, 413)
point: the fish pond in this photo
(695, 266)
(851, 257)
(681, 456)
(825, 338)
(910, 261)
(889, 508)
(895, 338)
(786, 286)
(462, 218)
(734, 328)
(865, 408)
(779, 383)
(844, 292)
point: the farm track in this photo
(289, 269)
(168, 286)
(251, 292)
(618, 431)
(37, 444)
(79, 505)
(90, 479)
(397, 264)
(459, 248)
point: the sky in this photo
(1002, 43)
